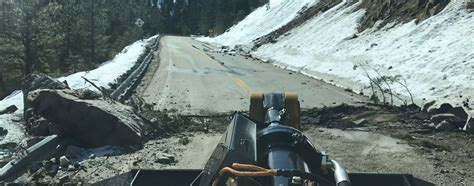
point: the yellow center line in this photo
(237, 80)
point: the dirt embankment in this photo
(399, 11)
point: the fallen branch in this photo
(101, 89)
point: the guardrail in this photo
(126, 88)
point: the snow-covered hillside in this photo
(435, 57)
(102, 76)
(261, 22)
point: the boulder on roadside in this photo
(445, 126)
(460, 112)
(92, 123)
(41, 81)
(165, 159)
(444, 108)
(34, 82)
(10, 109)
(428, 105)
(451, 118)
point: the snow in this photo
(435, 57)
(261, 22)
(107, 73)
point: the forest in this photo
(61, 37)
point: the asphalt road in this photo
(192, 81)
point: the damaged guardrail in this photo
(47, 148)
(126, 88)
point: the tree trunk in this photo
(3, 90)
(27, 43)
(93, 55)
(66, 52)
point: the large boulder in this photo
(34, 82)
(10, 109)
(451, 118)
(92, 123)
(41, 81)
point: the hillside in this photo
(426, 47)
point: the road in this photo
(192, 81)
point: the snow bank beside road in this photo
(261, 22)
(435, 57)
(107, 73)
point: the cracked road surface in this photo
(192, 81)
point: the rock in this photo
(444, 126)
(34, 82)
(428, 105)
(92, 123)
(412, 107)
(445, 108)
(432, 110)
(184, 140)
(63, 161)
(41, 81)
(88, 94)
(92, 156)
(3, 131)
(440, 117)
(10, 109)
(165, 159)
(460, 112)
(38, 127)
(360, 122)
(63, 179)
(71, 168)
(451, 118)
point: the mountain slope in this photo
(261, 22)
(433, 57)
